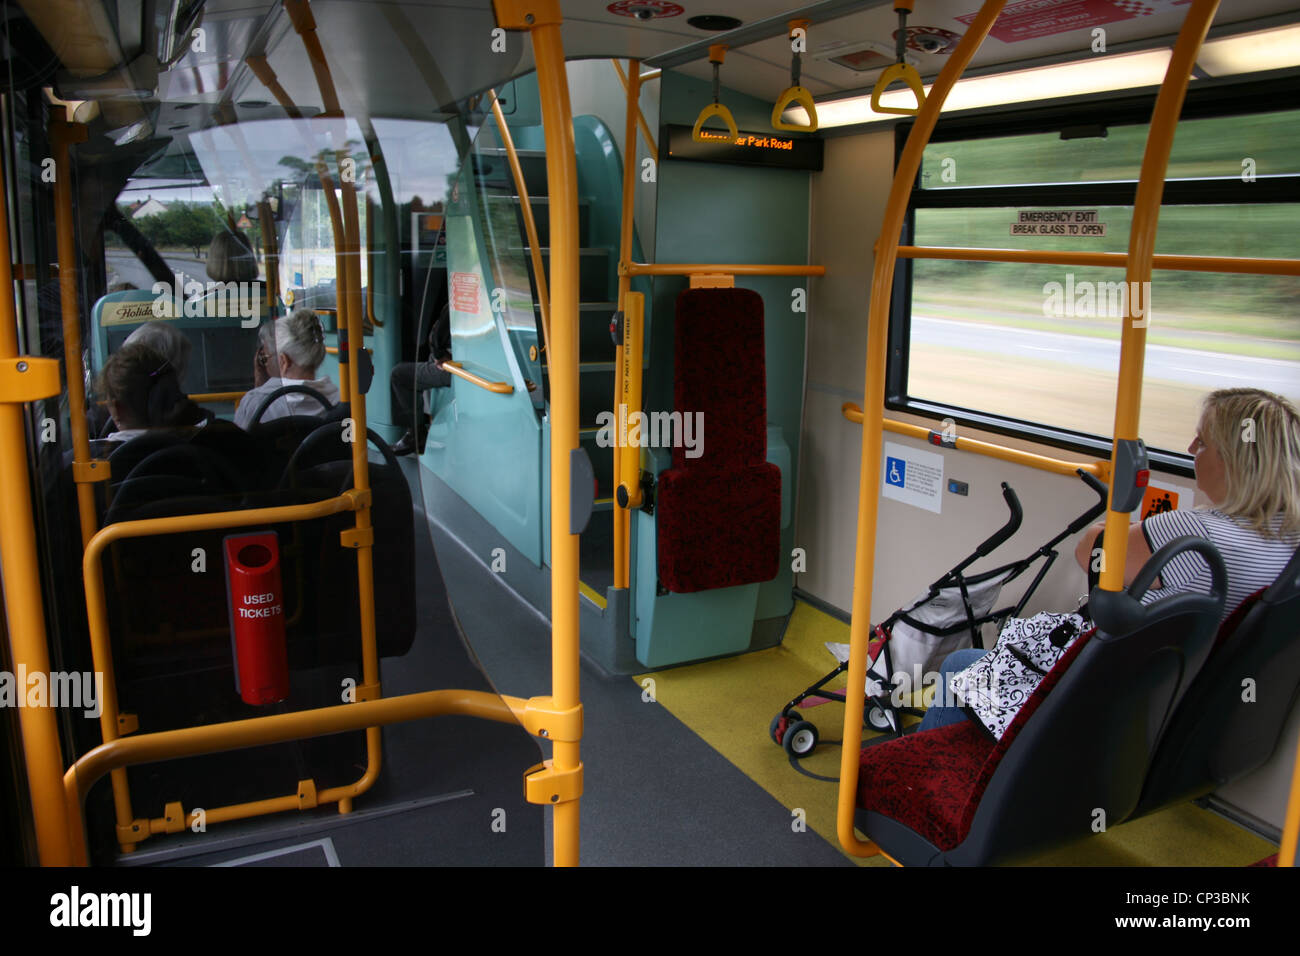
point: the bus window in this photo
(1040, 343)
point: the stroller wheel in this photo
(776, 730)
(800, 738)
(880, 719)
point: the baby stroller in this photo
(915, 639)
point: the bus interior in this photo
(654, 491)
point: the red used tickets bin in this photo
(257, 617)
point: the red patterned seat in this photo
(719, 514)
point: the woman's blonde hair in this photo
(1257, 434)
(301, 337)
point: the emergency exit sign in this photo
(1058, 222)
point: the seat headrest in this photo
(231, 258)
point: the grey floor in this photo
(655, 793)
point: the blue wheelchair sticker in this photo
(895, 471)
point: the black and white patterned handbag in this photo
(994, 688)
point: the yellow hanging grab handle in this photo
(900, 70)
(716, 136)
(796, 93)
(717, 53)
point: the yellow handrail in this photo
(115, 755)
(1291, 826)
(543, 19)
(874, 398)
(1119, 260)
(739, 269)
(20, 564)
(84, 471)
(628, 490)
(1057, 466)
(1141, 251)
(641, 80)
(530, 225)
(202, 397)
(621, 516)
(500, 388)
(101, 648)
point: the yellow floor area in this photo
(731, 702)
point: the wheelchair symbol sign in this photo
(895, 472)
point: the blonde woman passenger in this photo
(289, 352)
(1247, 459)
(1246, 454)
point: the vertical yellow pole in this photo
(873, 406)
(19, 560)
(542, 18)
(62, 135)
(347, 258)
(1291, 826)
(1141, 249)
(633, 339)
(623, 516)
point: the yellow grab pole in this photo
(1141, 251)
(1291, 825)
(271, 254)
(20, 564)
(629, 453)
(873, 403)
(638, 78)
(347, 258)
(623, 516)
(543, 19)
(62, 135)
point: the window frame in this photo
(1240, 98)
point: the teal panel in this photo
(721, 213)
(776, 597)
(486, 446)
(675, 628)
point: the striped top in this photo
(1253, 561)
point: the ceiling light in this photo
(1081, 77)
(1275, 49)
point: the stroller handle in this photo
(1008, 529)
(1096, 511)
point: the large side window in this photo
(1034, 348)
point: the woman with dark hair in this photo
(142, 392)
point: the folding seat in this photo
(719, 514)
